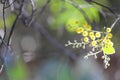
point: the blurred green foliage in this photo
(54, 69)
(40, 3)
(65, 13)
(10, 18)
(17, 71)
(63, 72)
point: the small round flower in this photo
(98, 35)
(79, 30)
(93, 43)
(107, 41)
(85, 24)
(91, 34)
(108, 30)
(92, 37)
(85, 33)
(86, 39)
(109, 35)
(88, 27)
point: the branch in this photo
(4, 23)
(43, 31)
(92, 1)
(14, 24)
(11, 4)
(112, 26)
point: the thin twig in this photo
(112, 26)
(3, 42)
(92, 1)
(43, 8)
(92, 54)
(4, 22)
(37, 26)
(10, 4)
(33, 11)
(32, 4)
(1, 68)
(54, 42)
(13, 26)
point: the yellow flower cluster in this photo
(107, 41)
(79, 30)
(86, 26)
(89, 35)
(98, 41)
(95, 38)
(84, 29)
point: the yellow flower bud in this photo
(86, 39)
(91, 34)
(108, 30)
(85, 33)
(109, 35)
(79, 30)
(93, 43)
(109, 43)
(107, 40)
(98, 35)
(92, 37)
(88, 27)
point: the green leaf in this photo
(108, 50)
(66, 14)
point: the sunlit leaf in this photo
(67, 14)
(108, 50)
